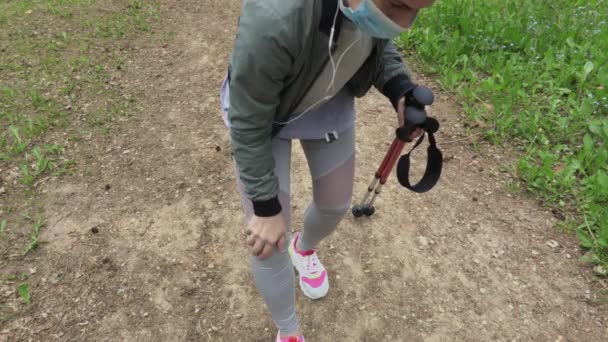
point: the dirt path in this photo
(145, 243)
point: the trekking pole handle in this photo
(415, 116)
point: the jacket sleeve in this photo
(261, 58)
(392, 78)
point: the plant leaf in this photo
(24, 293)
(587, 69)
(602, 180)
(588, 143)
(585, 238)
(594, 127)
(570, 42)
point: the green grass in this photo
(536, 73)
(33, 240)
(59, 60)
(24, 293)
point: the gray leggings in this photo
(332, 171)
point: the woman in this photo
(295, 69)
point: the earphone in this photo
(334, 68)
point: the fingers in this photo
(400, 112)
(263, 248)
(257, 247)
(251, 240)
(416, 133)
(266, 252)
(428, 110)
(281, 242)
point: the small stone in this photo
(362, 307)
(423, 241)
(94, 230)
(2, 190)
(498, 254)
(552, 243)
(238, 315)
(535, 252)
(568, 256)
(126, 151)
(266, 329)
(338, 277)
(218, 149)
(482, 290)
(211, 266)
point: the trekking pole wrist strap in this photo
(434, 163)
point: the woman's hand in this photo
(401, 118)
(264, 234)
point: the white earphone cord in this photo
(334, 68)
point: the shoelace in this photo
(312, 264)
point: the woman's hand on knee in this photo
(264, 234)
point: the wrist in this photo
(267, 208)
(397, 87)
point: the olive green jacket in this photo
(280, 49)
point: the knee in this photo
(337, 213)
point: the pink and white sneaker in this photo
(312, 274)
(290, 338)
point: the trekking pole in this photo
(415, 117)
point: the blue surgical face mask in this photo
(369, 19)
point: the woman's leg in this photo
(332, 168)
(274, 276)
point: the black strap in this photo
(434, 162)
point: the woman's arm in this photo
(392, 78)
(262, 56)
